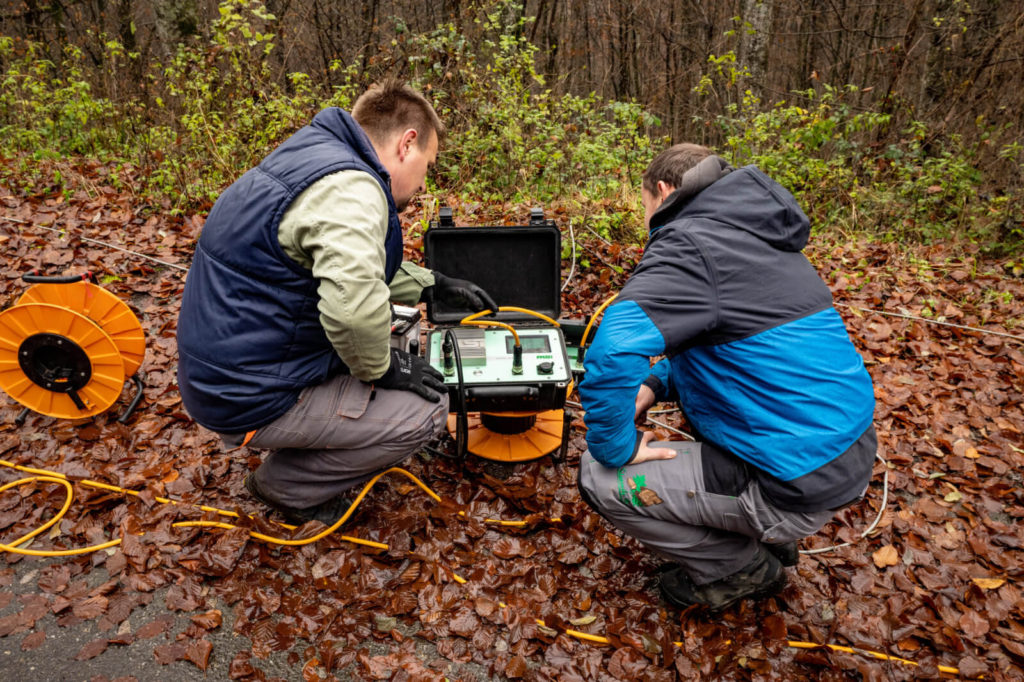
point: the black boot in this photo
(762, 577)
(786, 553)
(326, 513)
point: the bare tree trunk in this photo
(126, 24)
(935, 83)
(909, 38)
(175, 21)
(982, 58)
(370, 8)
(757, 16)
(279, 57)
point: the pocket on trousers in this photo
(355, 397)
(781, 532)
(721, 512)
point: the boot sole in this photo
(767, 590)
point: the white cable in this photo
(671, 428)
(593, 232)
(572, 269)
(881, 511)
(97, 241)
(573, 403)
(938, 322)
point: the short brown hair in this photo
(390, 107)
(671, 165)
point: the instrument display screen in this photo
(531, 344)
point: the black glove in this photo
(459, 293)
(410, 372)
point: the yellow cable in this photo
(54, 478)
(268, 538)
(55, 519)
(492, 323)
(597, 313)
(57, 477)
(866, 652)
(474, 321)
(30, 470)
(510, 308)
(337, 524)
(527, 311)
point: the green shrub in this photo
(51, 114)
(511, 138)
(226, 109)
(921, 187)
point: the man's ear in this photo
(664, 189)
(406, 141)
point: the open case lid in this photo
(517, 265)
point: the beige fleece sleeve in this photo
(409, 282)
(336, 228)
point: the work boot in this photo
(762, 577)
(326, 513)
(786, 553)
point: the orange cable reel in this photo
(67, 347)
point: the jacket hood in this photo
(745, 199)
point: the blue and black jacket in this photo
(249, 331)
(756, 355)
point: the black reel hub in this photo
(55, 363)
(507, 425)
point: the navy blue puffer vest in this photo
(249, 333)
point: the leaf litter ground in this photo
(936, 582)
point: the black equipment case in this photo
(519, 266)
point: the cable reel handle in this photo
(35, 277)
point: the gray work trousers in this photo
(338, 435)
(664, 505)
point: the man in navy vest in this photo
(763, 368)
(285, 324)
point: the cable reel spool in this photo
(66, 348)
(513, 436)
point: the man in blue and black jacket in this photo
(763, 368)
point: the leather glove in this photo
(459, 293)
(410, 372)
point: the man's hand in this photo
(644, 401)
(646, 454)
(460, 293)
(412, 373)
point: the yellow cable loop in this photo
(597, 313)
(527, 311)
(57, 477)
(337, 524)
(493, 323)
(474, 321)
(509, 309)
(50, 477)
